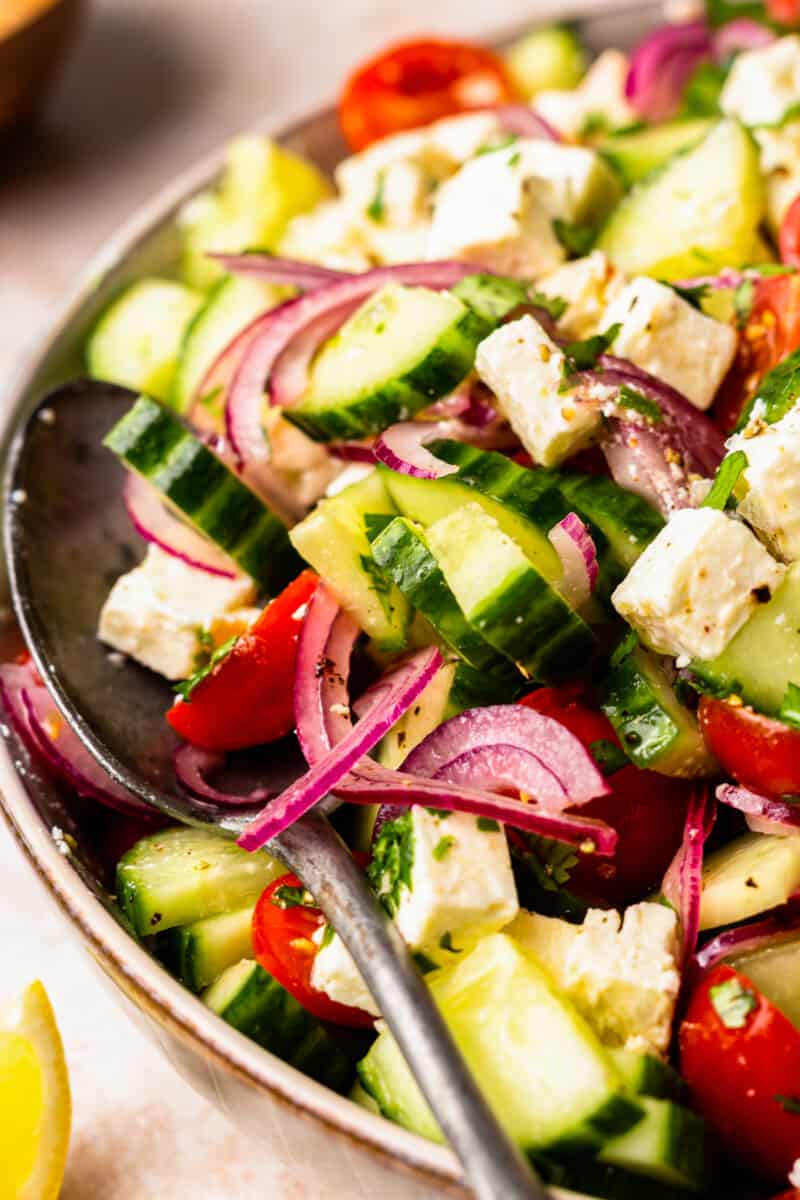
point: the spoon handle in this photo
(493, 1166)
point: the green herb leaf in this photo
(187, 686)
(778, 392)
(583, 355)
(720, 689)
(625, 648)
(514, 159)
(389, 869)
(702, 92)
(446, 942)
(725, 480)
(630, 398)
(790, 1104)
(554, 306)
(743, 298)
(441, 813)
(576, 239)
(487, 825)
(327, 937)
(376, 209)
(608, 756)
(443, 848)
(287, 896)
(732, 1003)
(500, 144)
(692, 295)
(790, 706)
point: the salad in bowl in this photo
(472, 472)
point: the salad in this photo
(477, 472)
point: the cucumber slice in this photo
(403, 348)
(540, 1067)
(137, 340)
(628, 522)
(505, 598)
(333, 539)
(635, 155)
(152, 441)
(363, 1099)
(550, 58)
(753, 873)
(701, 212)
(405, 557)
(181, 876)
(763, 658)
(646, 1075)
(667, 1145)
(197, 954)
(231, 305)
(657, 731)
(254, 1003)
(775, 970)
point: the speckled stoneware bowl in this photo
(322, 1136)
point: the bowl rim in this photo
(139, 975)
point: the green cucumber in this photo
(405, 557)
(333, 539)
(751, 874)
(253, 1002)
(775, 970)
(763, 658)
(197, 954)
(542, 1070)
(232, 304)
(546, 59)
(152, 441)
(504, 597)
(180, 876)
(636, 154)
(137, 341)
(667, 1145)
(627, 521)
(700, 212)
(646, 1075)
(404, 348)
(657, 731)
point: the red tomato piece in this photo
(414, 83)
(248, 698)
(741, 1059)
(282, 942)
(790, 234)
(771, 331)
(784, 12)
(758, 751)
(647, 810)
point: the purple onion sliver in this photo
(192, 764)
(740, 34)
(661, 65)
(780, 811)
(157, 525)
(354, 452)
(776, 925)
(525, 122)
(272, 269)
(402, 448)
(575, 547)
(503, 766)
(309, 713)
(683, 882)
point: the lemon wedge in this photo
(35, 1106)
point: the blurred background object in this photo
(35, 36)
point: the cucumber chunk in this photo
(627, 521)
(253, 1002)
(657, 731)
(152, 441)
(753, 873)
(547, 58)
(775, 970)
(181, 876)
(197, 954)
(701, 212)
(333, 539)
(540, 1067)
(137, 340)
(505, 598)
(635, 155)
(405, 557)
(232, 304)
(763, 658)
(667, 1145)
(646, 1075)
(404, 348)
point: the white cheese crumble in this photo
(763, 83)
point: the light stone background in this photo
(153, 85)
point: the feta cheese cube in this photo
(525, 370)
(159, 612)
(620, 973)
(780, 164)
(663, 334)
(335, 974)
(770, 485)
(696, 584)
(763, 83)
(599, 96)
(588, 285)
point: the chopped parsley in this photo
(790, 706)
(575, 238)
(446, 942)
(625, 648)
(692, 295)
(554, 306)
(649, 409)
(790, 1104)
(389, 870)
(583, 355)
(327, 937)
(725, 480)
(732, 1003)
(487, 825)
(499, 144)
(608, 756)
(287, 896)
(205, 661)
(376, 209)
(443, 848)
(441, 813)
(425, 964)
(778, 392)
(514, 160)
(743, 298)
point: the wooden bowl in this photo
(35, 36)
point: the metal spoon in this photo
(67, 538)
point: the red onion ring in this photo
(525, 122)
(636, 458)
(402, 448)
(409, 680)
(153, 521)
(740, 34)
(191, 765)
(754, 805)
(683, 882)
(271, 269)
(320, 678)
(661, 66)
(778, 924)
(576, 549)
(354, 452)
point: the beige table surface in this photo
(155, 84)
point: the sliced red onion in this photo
(321, 674)
(525, 122)
(191, 766)
(369, 783)
(504, 767)
(409, 680)
(157, 525)
(683, 882)
(662, 65)
(576, 549)
(480, 411)
(288, 380)
(780, 812)
(781, 923)
(575, 778)
(635, 457)
(276, 334)
(271, 269)
(740, 34)
(402, 447)
(354, 452)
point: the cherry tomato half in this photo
(414, 83)
(282, 942)
(741, 1059)
(647, 810)
(758, 751)
(784, 12)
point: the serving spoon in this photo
(67, 539)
